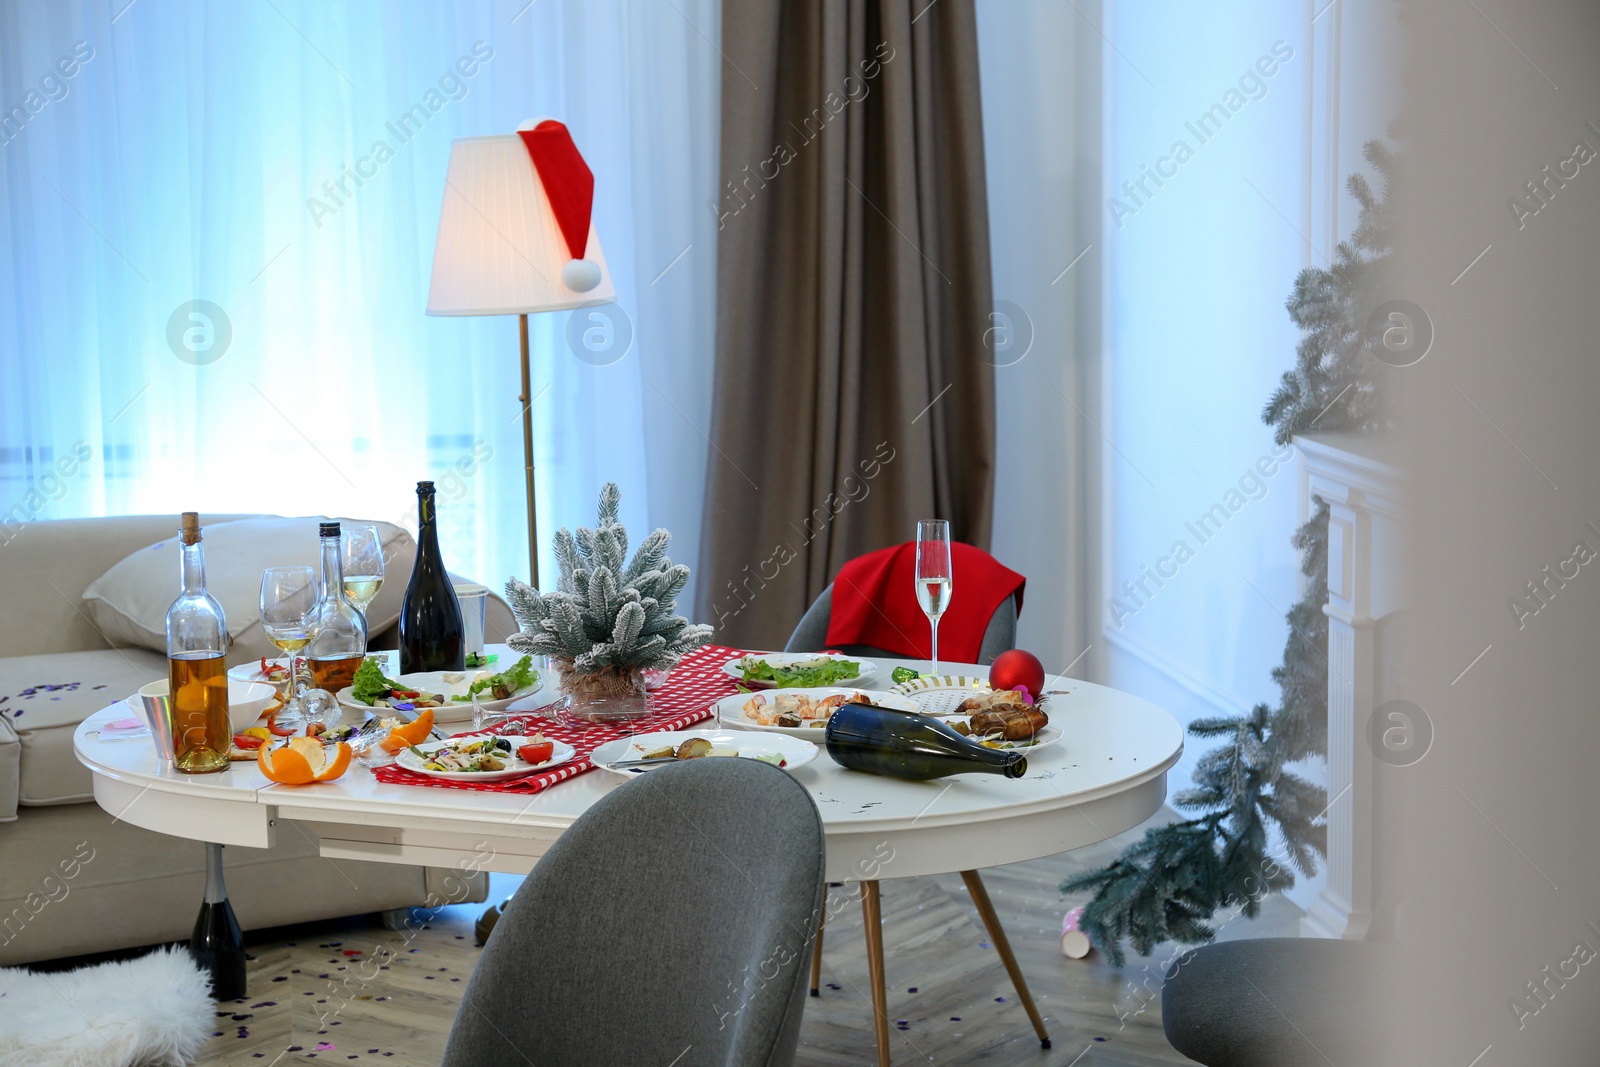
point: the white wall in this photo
(1196, 337)
(1197, 270)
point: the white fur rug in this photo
(154, 1011)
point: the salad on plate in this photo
(797, 671)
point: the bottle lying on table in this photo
(899, 744)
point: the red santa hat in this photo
(569, 185)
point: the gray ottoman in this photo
(1276, 1002)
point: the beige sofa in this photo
(73, 881)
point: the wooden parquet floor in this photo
(352, 991)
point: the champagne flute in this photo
(933, 574)
(287, 596)
(362, 550)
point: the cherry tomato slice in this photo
(245, 741)
(538, 752)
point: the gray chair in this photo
(1277, 1002)
(676, 914)
(811, 635)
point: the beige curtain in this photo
(852, 392)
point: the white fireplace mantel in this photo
(1364, 507)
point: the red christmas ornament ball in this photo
(1015, 668)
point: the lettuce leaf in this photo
(370, 685)
(801, 675)
(519, 675)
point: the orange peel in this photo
(412, 733)
(289, 767)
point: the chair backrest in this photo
(811, 635)
(676, 913)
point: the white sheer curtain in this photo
(209, 151)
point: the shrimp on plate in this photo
(757, 709)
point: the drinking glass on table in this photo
(287, 596)
(362, 552)
(484, 719)
(933, 575)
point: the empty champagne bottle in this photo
(898, 744)
(432, 637)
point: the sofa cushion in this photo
(44, 698)
(129, 602)
(10, 769)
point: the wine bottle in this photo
(197, 673)
(338, 631)
(217, 943)
(900, 744)
(432, 637)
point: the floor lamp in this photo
(515, 238)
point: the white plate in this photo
(796, 753)
(251, 672)
(516, 768)
(789, 659)
(433, 682)
(941, 694)
(730, 710)
(1044, 738)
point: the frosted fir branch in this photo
(610, 502)
(652, 552)
(585, 539)
(566, 559)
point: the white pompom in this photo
(580, 275)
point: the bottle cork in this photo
(191, 527)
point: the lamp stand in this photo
(527, 453)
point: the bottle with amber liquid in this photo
(197, 671)
(338, 631)
(432, 637)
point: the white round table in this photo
(1106, 776)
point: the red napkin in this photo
(695, 684)
(875, 602)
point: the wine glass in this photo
(287, 596)
(933, 574)
(362, 552)
(482, 717)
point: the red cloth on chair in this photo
(875, 602)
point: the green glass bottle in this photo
(432, 637)
(898, 744)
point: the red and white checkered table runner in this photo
(695, 684)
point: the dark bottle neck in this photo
(216, 892)
(427, 521)
(332, 568)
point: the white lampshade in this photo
(500, 251)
